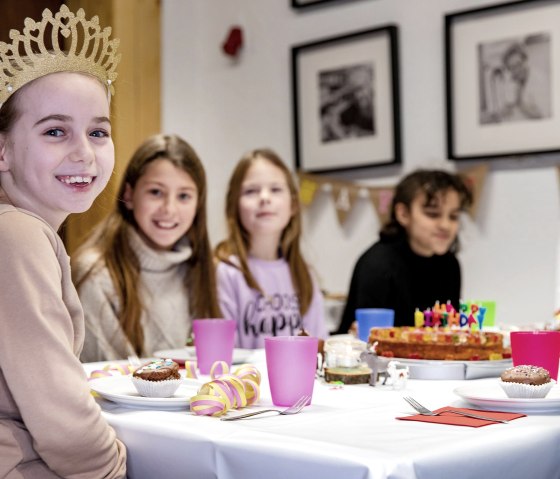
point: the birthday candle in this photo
(436, 318)
(481, 313)
(449, 307)
(453, 319)
(418, 318)
(463, 319)
(428, 317)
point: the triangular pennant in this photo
(382, 199)
(344, 196)
(307, 190)
(475, 178)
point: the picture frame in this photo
(501, 100)
(346, 106)
(311, 3)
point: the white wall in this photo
(224, 108)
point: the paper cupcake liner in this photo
(156, 389)
(527, 391)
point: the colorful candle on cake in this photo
(418, 318)
(428, 317)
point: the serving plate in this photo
(489, 395)
(188, 353)
(440, 369)
(120, 390)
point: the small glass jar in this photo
(343, 352)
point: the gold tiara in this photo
(87, 50)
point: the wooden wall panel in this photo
(135, 108)
(14, 13)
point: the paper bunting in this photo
(307, 190)
(346, 193)
(382, 199)
(344, 197)
(475, 178)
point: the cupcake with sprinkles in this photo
(526, 382)
(157, 379)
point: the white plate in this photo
(120, 389)
(435, 369)
(492, 396)
(181, 355)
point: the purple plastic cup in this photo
(213, 341)
(291, 362)
(536, 348)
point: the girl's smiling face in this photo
(431, 227)
(59, 155)
(163, 202)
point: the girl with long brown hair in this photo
(148, 270)
(264, 282)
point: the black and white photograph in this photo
(515, 79)
(347, 107)
(349, 115)
(502, 100)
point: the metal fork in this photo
(426, 412)
(294, 409)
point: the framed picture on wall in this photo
(346, 101)
(502, 72)
(310, 3)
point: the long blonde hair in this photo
(110, 239)
(238, 241)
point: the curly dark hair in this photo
(431, 183)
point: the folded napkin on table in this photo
(458, 420)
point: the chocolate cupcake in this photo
(158, 378)
(526, 382)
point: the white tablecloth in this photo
(345, 434)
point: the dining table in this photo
(347, 432)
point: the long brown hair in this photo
(110, 239)
(238, 241)
(9, 112)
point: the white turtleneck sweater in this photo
(165, 320)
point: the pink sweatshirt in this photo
(274, 314)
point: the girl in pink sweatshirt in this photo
(264, 282)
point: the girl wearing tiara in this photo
(263, 280)
(148, 268)
(413, 264)
(56, 156)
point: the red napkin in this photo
(458, 420)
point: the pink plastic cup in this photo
(291, 362)
(213, 341)
(536, 348)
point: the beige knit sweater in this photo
(166, 320)
(50, 425)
